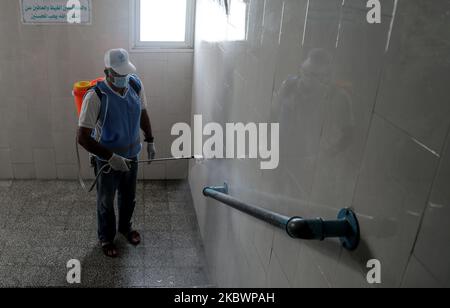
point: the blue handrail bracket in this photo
(351, 240)
(222, 189)
(346, 227)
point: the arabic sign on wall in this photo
(56, 11)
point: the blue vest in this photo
(120, 120)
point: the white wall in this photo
(38, 66)
(376, 140)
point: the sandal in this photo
(109, 250)
(133, 237)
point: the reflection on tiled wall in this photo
(364, 119)
(38, 66)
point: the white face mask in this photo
(120, 82)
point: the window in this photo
(163, 24)
(225, 20)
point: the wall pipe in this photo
(345, 227)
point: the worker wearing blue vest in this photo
(111, 118)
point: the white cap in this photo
(119, 61)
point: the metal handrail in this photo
(345, 227)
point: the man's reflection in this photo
(302, 99)
(314, 113)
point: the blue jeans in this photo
(124, 183)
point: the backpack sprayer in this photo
(79, 91)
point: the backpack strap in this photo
(98, 92)
(100, 97)
(135, 85)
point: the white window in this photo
(162, 24)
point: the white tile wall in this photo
(309, 273)
(371, 137)
(432, 247)
(45, 164)
(66, 172)
(393, 187)
(276, 277)
(417, 276)
(38, 66)
(24, 171)
(416, 71)
(6, 171)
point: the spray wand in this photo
(107, 168)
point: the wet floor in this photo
(43, 225)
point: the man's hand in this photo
(151, 151)
(119, 163)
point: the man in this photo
(109, 127)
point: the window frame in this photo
(139, 46)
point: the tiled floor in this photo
(45, 224)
